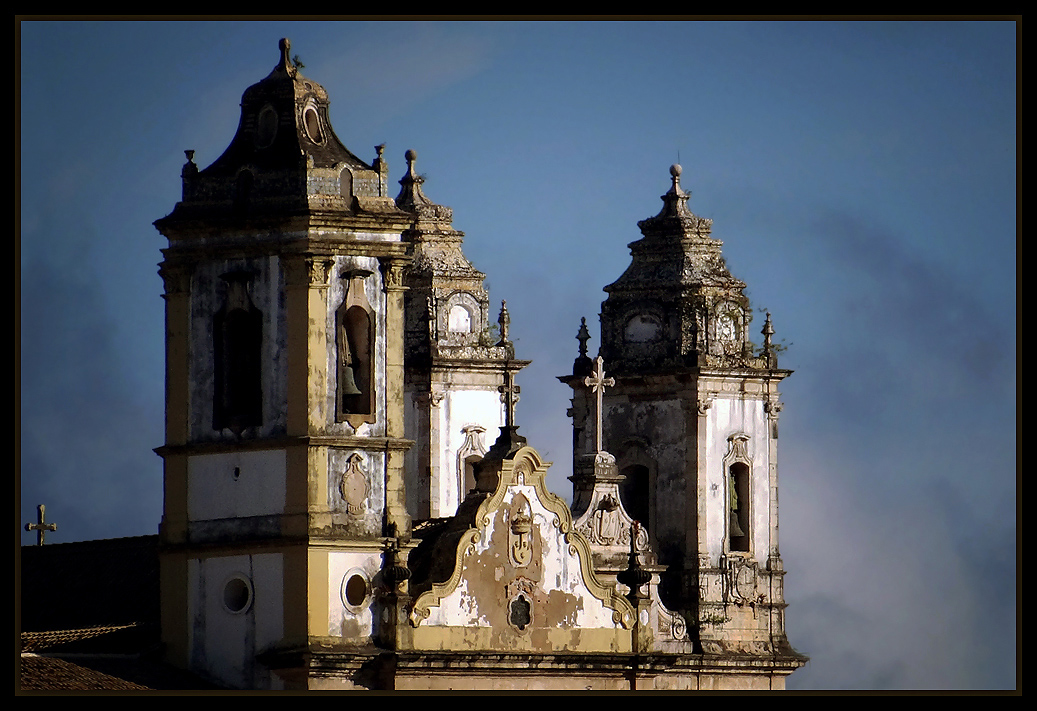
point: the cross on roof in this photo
(40, 527)
(597, 382)
(509, 396)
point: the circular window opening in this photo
(355, 590)
(312, 123)
(237, 595)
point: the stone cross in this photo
(509, 396)
(598, 382)
(40, 527)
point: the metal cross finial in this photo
(40, 527)
(509, 393)
(598, 382)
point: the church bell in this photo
(348, 384)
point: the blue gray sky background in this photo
(862, 176)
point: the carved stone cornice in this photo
(176, 278)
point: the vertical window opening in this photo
(345, 183)
(738, 492)
(355, 336)
(238, 342)
(634, 492)
(355, 362)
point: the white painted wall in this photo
(214, 492)
(343, 620)
(224, 644)
(728, 416)
(458, 409)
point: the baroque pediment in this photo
(522, 575)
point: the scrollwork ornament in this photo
(705, 402)
(319, 271)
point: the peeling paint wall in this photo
(223, 643)
(352, 619)
(556, 609)
(207, 297)
(727, 417)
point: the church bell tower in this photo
(285, 442)
(692, 422)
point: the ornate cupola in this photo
(284, 160)
(456, 357)
(676, 305)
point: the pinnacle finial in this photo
(285, 64)
(583, 365)
(583, 336)
(504, 321)
(768, 349)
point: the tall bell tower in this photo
(692, 421)
(285, 440)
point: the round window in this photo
(237, 594)
(312, 123)
(355, 590)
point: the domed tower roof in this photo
(284, 160)
(283, 117)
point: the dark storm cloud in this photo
(85, 437)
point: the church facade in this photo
(348, 502)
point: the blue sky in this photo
(862, 176)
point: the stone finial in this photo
(675, 217)
(635, 576)
(768, 348)
(285, 63)
(583, 336)
(504, 321)
(189, 167)
(583, 365)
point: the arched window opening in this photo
(633, 492)
(345, 184)
(738, 493)
(355, 359)
(237, 345)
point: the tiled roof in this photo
(50, 673)
(39, 641)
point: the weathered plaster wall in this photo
(367, 521)
(563, 613)
(236, 484)
(374, 291)
(728, 416)
(207, 297)
(461, 408)
(353, 623)
(661, 428)
(223, 644)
